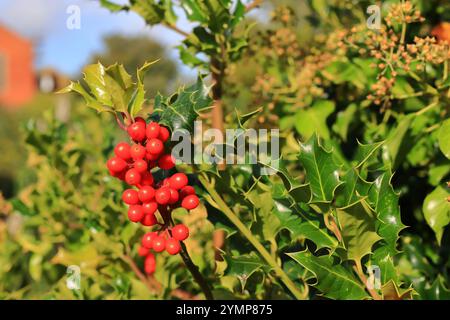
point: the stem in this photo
(445, 75)
(427, 108)
(151, 287)
(195, 273)
(403, 36)
(176, 29)
(121, 125)
(332, 226)
(258, 246)
(362, 277)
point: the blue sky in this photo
(68, 50)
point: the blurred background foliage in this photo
(310, 65)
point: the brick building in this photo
(17, 77)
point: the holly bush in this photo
(357, 207)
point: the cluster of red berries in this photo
(134, 164)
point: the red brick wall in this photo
(17, 83)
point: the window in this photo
(2, 72)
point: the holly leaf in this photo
(391, 291)
(300, 192)
(384, 201)
(150, 11)
(313, 119)
(382, 258)
(194, 11)
(111, 88)
(180, 110)
(365, 151)
(398, 143)
(333, 279)
(436, 291)
(321, 171)
(353, 189)
(302, 224)
(436, 209)
(344, 119)
(358, 229)
(112, 6)
(138, 97)
(444, 138)
(244, 266)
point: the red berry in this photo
(149, 220)
(180, 232)
(137, 152)
(141, 165)
(135, 213)
(133, 177)
(165, 183)
(150, 207)
(151, 157)
(152, 130)
(178, 181)
(150, 263)
(190, 202)
(146, 194)
(147, 239)
(120, 175)
(164, 134)
(158, 244)
(130, 197)
(136, 131)
(166, 162)
(162, 195)
(139, 119)
(187, 190)
(173, 246)
(155, 146)
(116, 164)
(174, 196)
(146, 178)
(122, 150)
(143, 251)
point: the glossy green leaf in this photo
(344, 119)
(303, 224)
(244, 266)
(436, 209)
(436, 291)
(444, 138)
(321, 171)
(391, 291)
(384, 201)
(353, 189)
(138, 97)
(365, 151)
(382, 258)
(181, 109)
(398, 143)
(313, 119)
(358, 229)
(334, 281)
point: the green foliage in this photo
(180, 110)
(139, 50)
(111, 89)
(364, 152)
